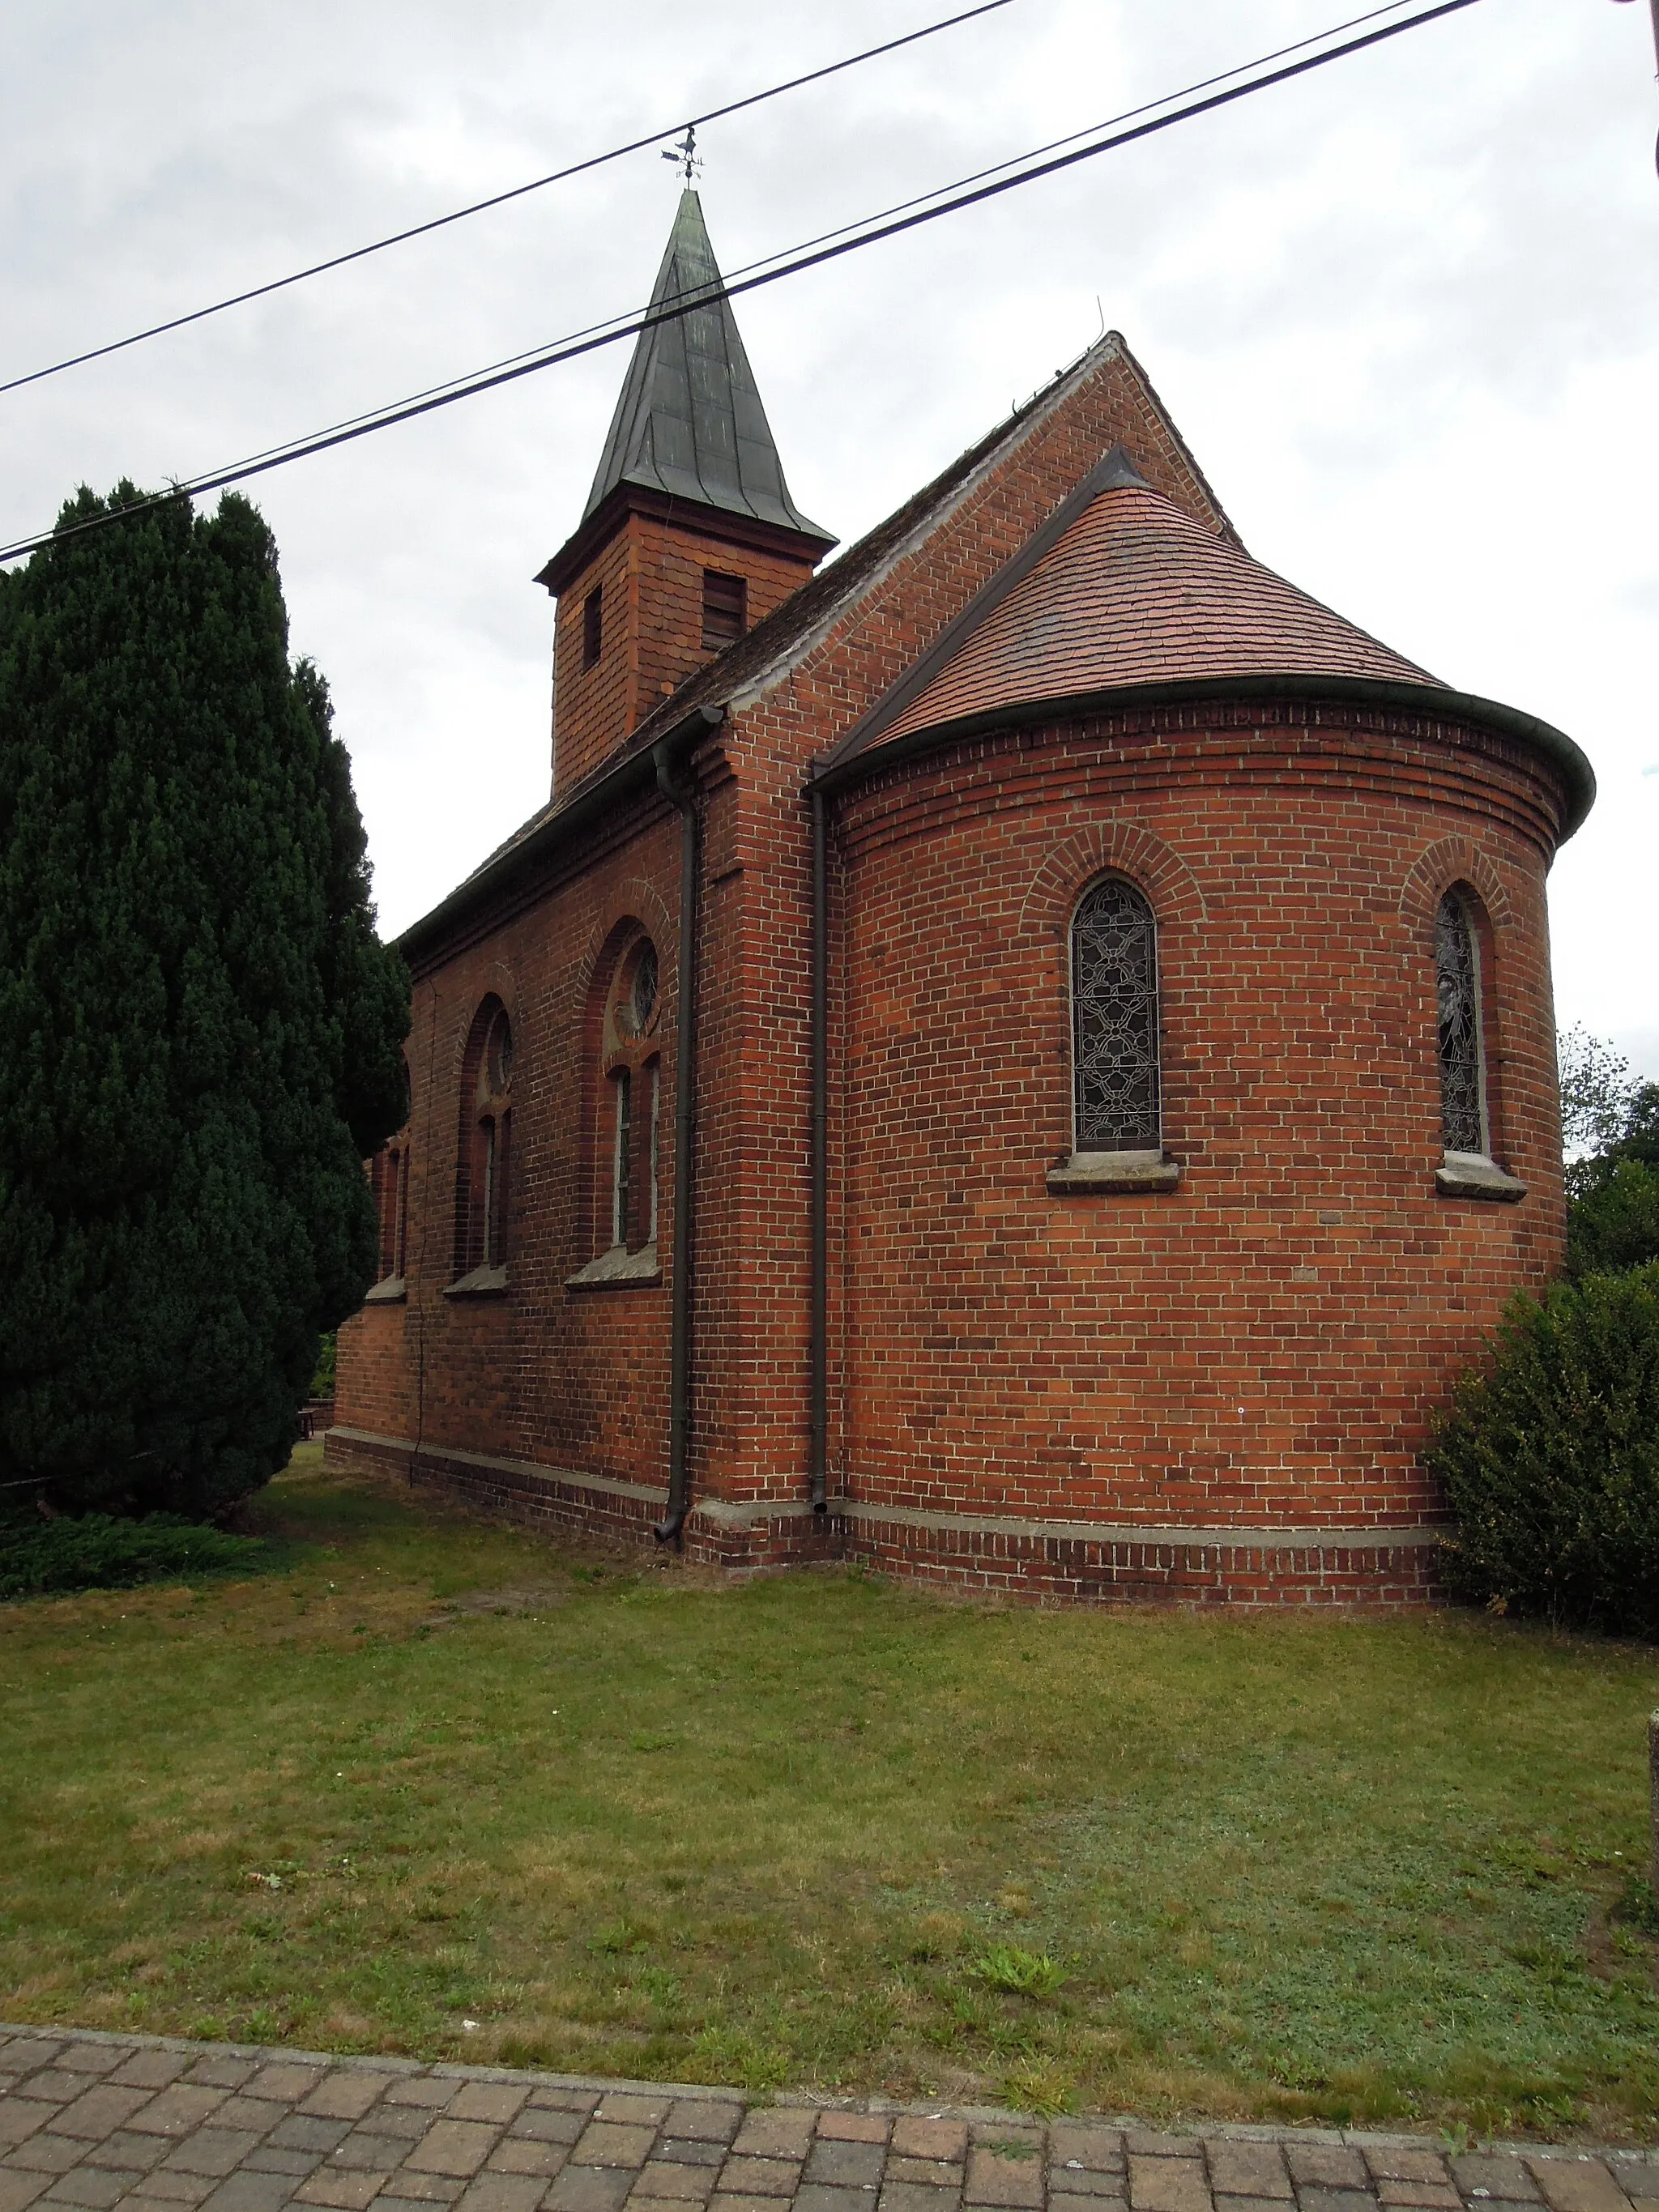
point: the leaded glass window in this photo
(1114, 1020)
(1457, 976)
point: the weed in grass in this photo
(1023, 1973)
(1637, 1905)
(617, 1938)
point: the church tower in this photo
(689, 536)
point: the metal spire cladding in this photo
(689, 420)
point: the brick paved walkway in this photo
(89, 2121)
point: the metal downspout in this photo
(819, 1325)
(671, 1529)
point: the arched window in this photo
(1464, 1124)
(389, 1181)
(623, 1040)
(1116, 1106)
(484, 1181)
(633, 1071)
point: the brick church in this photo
(1022, 1055)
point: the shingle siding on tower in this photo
(1219, 1388)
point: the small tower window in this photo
(593, 625)
(725, 609)
(1463, 1124)
(1115, 1021)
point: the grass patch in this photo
(629, 1819)
(96, 1552)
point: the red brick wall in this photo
(1260, 1348)
(543, 1373)
(650, 574)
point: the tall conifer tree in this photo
(199, 1028)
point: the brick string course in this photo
(1260, 1348)
(88, 2121)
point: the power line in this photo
(499, 199)
(614, 324)
(889, 224)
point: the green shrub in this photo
(1613, 1220)
(1550, 1457)
(96, 1552)
(322, 1380)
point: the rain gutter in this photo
(1433, 702)
(683, 795)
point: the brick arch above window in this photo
(1448, 862)
(499, 982)
(1110, 848)
(637, 907)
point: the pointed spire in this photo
(689, 421)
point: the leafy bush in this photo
(1598, 1092)
(322, 1380)
(1551, 1457)
(1612, 1221)
(1610, 1127)
(96, 1552)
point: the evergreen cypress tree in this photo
(199, 1030)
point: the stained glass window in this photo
(642, 999)
(1114, 1020)
(1462, 1111)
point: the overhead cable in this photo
(499, 199)
(891, 224)
(625, 323)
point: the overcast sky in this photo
(1406, 312)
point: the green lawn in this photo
(629, 1820)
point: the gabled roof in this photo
(1119, 588)
(1259, 605)
(689, 420)
(769, 651)
(776, 643)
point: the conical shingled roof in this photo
(689, 422)
(1122, 588)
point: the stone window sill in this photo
(389, 1291)
(482, 1283)
(618, 1269)
(1113, 1171)
(1472, 1175)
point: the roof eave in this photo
(735, 523)
(617, 782)
(836, 771)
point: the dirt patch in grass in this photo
(822, 1831)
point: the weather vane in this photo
(685, 152)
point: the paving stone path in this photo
(88, 2121)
